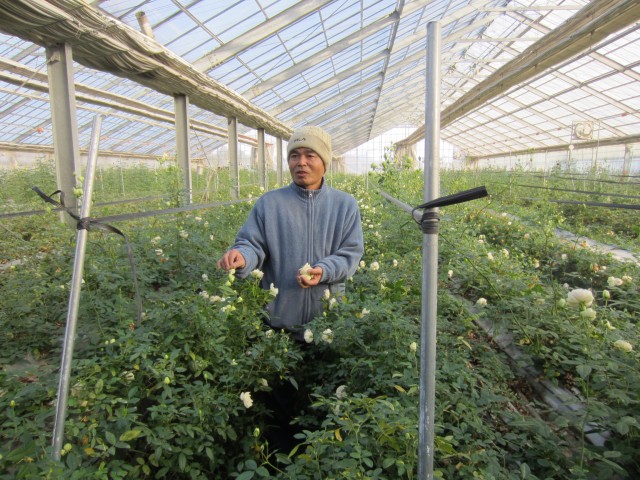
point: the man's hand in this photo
(232, 259)
(315, 274)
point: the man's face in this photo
(306, 167)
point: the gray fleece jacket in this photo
(291, 226)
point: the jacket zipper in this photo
(307, 296)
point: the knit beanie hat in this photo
(314, 138)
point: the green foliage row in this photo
(161, 397)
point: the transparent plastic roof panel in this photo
(355, 67)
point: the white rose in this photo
(308, 336)
(327, 336)
(614, 281)
(246, 399)
(580, 297)
(623, 345)
(257, 274)
(304, 271)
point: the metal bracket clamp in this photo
(430, 221)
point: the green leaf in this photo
(612, 454)
(111, 438)
(182, 461)
(584, 371)
(129, 435)
(246, 475)
(624, 423)
(263, 472)
(209, 452)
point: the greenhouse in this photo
(479, 317)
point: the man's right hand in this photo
(231, 259)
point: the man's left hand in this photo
(316, 275)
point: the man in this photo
(304, 222)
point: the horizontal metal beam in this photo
(602, 142)
(33, 80)
(587, 27)
(103, 43)
(533, 8)
(262, 31)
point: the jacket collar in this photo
(305, 194)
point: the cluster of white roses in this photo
(327, 335)
(158, 251)
(616, 282)
(583, 299)
(376, 265)
(257, 274)
(273, 291)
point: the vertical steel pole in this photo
(74, 296)
(183, 145)
(234, 169)
(62, 96)
(279, 159)
(430, 258)
(262, 160)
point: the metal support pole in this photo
(430, 257)
(234, 169)
(279, 159)
(74, 296)
(626, 165)
(183, 146)
(262, 160)
(62, 97)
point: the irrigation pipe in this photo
(556, 397)
(589, 204)
(132, 216)
(582, 192)
(587, 179)
(74, 296)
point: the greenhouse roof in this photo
(515, 75)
